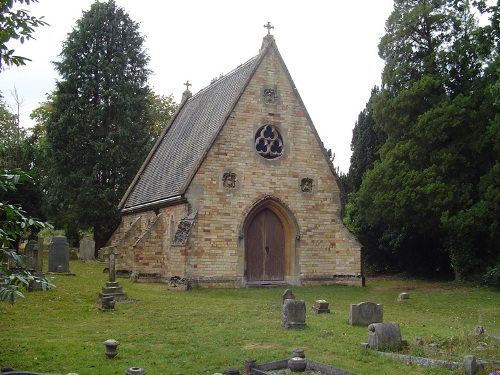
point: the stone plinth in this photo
(113, 289)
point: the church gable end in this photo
(261, 201)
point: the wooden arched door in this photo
(265, 250)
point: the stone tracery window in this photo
(268, 142)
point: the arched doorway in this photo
(265, 255)
(271, 233)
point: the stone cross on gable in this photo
(268, 27)
(112, 263)
(187, 84)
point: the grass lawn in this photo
(205, 331)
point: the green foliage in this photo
(367, 138)
(492, 275)
(430, 204)
(98, 120)
(161, 109)
(14, 223)
(15, 24)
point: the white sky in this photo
(329, 47)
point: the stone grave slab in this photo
(293, 313)
(87, 249)
(366, 313)
(59, 255)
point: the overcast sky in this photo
(329, 47)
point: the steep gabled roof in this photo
(183, 145)
(167, 171)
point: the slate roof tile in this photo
(177, 156)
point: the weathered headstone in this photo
(384, 336)
(403, 297)
(293, 313)
(33, 256)
(470, 365)
(112, 288)
(366, 313)
(87, 249)
(59, 255)
(321, 306)
(287, 294)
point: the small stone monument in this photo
(59, 255)
(366, 313)
(403, 297)
(293, 313)
(321, 306)
(112, 288)
(87, 249)
(384, 336)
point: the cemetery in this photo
(390, 326)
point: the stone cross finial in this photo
(268, 27)
(187, 84)
(112, 263)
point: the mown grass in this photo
(205, 331)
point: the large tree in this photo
(97, 128)
(436, 110)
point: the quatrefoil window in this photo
(268, 142)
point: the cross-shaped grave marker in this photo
(112, 263)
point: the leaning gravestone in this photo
(366, 313)
(59, 255)
(293, 313)
(87, 249)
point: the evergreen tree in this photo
(435, 110)
(97, 128)
(367, 138)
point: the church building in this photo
(238, 191)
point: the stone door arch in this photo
(270, 234)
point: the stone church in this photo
(238, 190)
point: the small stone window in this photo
(268, 142)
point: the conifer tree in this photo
(97, 128)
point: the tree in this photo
(97, 128)
(436, 109)
(18, 25)
(367, 138)
(161, 109)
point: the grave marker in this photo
(366, 313)
(87, 249)
(59, 255)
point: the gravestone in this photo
(87, 249)
(321, 306)
(33, 257)
(293, 313)
(366, 313)
(403, 297)
(59, 255)
(287, 294)
(112, 288)
(384, 336)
